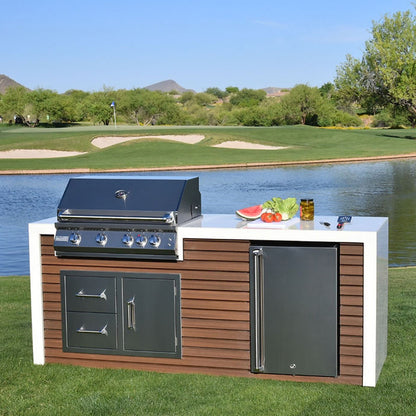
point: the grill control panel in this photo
(114, 242)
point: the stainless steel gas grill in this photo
(123, 216)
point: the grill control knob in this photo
(127, 240)
(75, 238)
(101, 239)
(154, 240)
(141, 240)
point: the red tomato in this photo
(278, 217)
(267, 217)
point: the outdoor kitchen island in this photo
(215, 285)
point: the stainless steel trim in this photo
(131, 314)
(168, 218)
(101, 295)
(258, 309)
(102, 331)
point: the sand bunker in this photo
(103, 142)
(36, 154)
(236, 144)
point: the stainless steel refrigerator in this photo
(294, 309)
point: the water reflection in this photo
(385, 189)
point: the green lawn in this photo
(26, 389)
(303, 142)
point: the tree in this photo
(14, 102)
(248, 97)
(98, 106)
(386, 74)
(217, 92)
(302, 105)
(149, 107)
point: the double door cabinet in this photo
(121, 313)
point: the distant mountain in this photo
(167, 86)
(275, 91)
(6, 83)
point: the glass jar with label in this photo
(307, 209)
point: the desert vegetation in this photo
(379, 88)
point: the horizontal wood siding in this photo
(351, 312)
(215, 311)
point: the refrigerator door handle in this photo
(258, 309)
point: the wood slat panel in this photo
(220, 255)
(207, 277)
(54, 333)
(215, 343)
(184, 361)
(214, 304)
(215, 285)
(352, 249)
(111, 265)
(215, 295)
(351, 370)
(220, 245)
(215, 324)
(352, 290)
(351, 300)
(351, 320)
(54, 316)
(351, 310)
(356, 360)
(352, 260)
(351, 270)
(351, 340)
(53, 325)
(347, 280)
(216, 334)
(215, 310)
(214, 314)
(349, 350)
(216, 352)
(351, 330)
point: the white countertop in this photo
(232, 227)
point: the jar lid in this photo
(307, 200)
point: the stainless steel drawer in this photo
(90, 294)
(91, 330)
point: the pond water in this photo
(384, 189)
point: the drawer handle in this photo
(131, 314)
(102, 295)
(82, 330)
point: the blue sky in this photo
(93, 44)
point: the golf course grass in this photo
(302, 143)
(55, 389)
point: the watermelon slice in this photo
(250, 213)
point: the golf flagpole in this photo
(113, 104)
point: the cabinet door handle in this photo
(258, 309)
(82, 294)
(102, 331)
(131, 314)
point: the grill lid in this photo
(159, 199)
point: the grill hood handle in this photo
(168, 218)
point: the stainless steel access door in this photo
(151, 309)
(294, 309)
